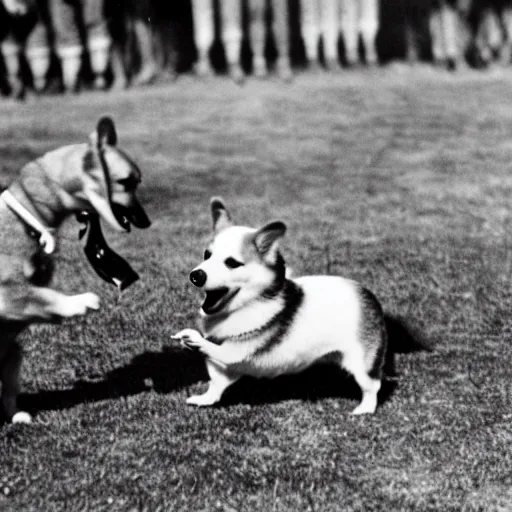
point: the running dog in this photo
(95, 178)
(256, 321)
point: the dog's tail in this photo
(403, 338)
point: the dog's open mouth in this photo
(134, 214)
(217, 299)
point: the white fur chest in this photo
(326, 322)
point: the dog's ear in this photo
(105, 133)
(220, 215)
(267, 239)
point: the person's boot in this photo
(259, 65)
(237, 73)
(235, 70)
(71, 62)
(11, 55)
(39, 63)
(284, 69)
(202, 67)
(99, 54)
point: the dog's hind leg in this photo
(219, 382)
(10, 377)
(355, 365)
(366, 357)
(369, 388)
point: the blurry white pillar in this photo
(360, 18)
(506, 51)
(231, 18)
(445, 34)
(369, 15)
(99, 52)
(493, 31)
(11, 53)
(310, 27)
(71, 62)
(436, 35)
(257, 34)
(450, 24)
(330, 16)
(350, 29)
(39, 63)
(203, 24)
(281, 30)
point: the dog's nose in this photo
(198, 277)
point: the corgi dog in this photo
(257, 321)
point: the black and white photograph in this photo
(255, 255)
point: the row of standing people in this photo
(76, 32)
(449, 32)
(105, 34)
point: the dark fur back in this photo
(397, 335)
(373, 330)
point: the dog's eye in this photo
(232, 263)
(207, 254)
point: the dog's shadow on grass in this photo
(163, 372)
(175, 369)
(316, 383)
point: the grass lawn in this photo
(398, 178)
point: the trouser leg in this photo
(39, 63)
(10, 378)
(37, 52)
(368, 27)
(310, 28)
(281, 30)
(506, 49)
(120, 34)
(231, 16)
(257, 34)
(11, 53)
(203, 24)
(349, 29)
(449, 20)
(98, 39)
(330, 32)
(67, 41)
(436, 35)
(144, 38)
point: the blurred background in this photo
(66, 46)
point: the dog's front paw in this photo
(22, 417)
(189, 338)
(79, 304)
(364, 409)
(202, 400)
(91, 300)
